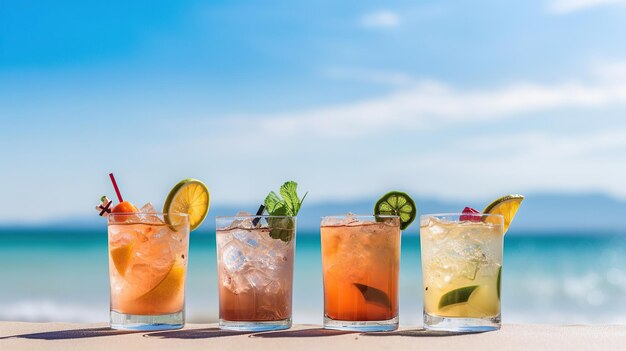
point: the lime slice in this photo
(506, 206)
(455, 296)
(189, 196)
(399, 204)
(499, 280)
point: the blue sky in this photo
(353, 98)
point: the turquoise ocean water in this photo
(62, 275)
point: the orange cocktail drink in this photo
(148, 255)
(361, 264)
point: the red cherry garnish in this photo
(470, 214)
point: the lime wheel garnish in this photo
(189, 196)
(397, 203)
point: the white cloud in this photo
(569, 6)
(380, 19)
(611, 71)
(430, 105)
(428, 138)
(414, 139)
(537, 160)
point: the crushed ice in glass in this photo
(257, 278)
(246, 237)
(148, 214)
(253, 260)
(232, 257)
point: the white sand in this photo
(65, 336)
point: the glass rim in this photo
(252, 216)
(360, 216)
(459, 214)
(149, 213)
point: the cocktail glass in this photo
(361, 263)
(255, 256)
(461, 270)
(148, 255)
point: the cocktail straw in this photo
(259, 212)
(117, 190)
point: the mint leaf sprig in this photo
(289, 205)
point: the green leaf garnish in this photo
(289, 205)
(290, 196)
(272, 201)
(282, 228)
(455, 296)
(280, 210)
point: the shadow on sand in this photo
(419, 333)
(304, 333)
(206, 333)
(72, 334)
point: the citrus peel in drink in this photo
(169, 286)
(121, 257)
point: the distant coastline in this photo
(560, 214)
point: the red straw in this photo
(117, 190)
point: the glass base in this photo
(255, 326)
(362, 326)
(124, 321)
(461, 325)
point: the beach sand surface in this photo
(68, 336)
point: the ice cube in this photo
(276, 259)
(247, 237)
(468, 256)
(149, 264)
(147, 208)
(374, 228)
(265, 239)
(120, 238)
(258, 278)
(222, 239)
(226, 280)
(247, 223)
(242, 223)
(148, 214)
(154, 233)
(237, 283)
(436, 230)
(273, 288)
(339, 220)
(234, 224)
(233, 258)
